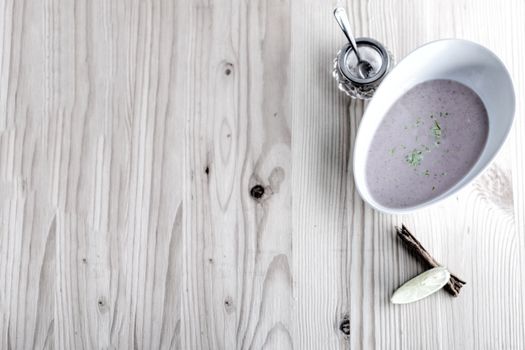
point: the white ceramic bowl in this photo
(460, 60)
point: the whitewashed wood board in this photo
(134, 134)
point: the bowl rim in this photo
(455, 189)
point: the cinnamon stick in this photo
(454, 284)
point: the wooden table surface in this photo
(177, 174)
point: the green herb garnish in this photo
(415, 157)
(436, 131)
(392, 151)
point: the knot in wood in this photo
(257, 191)
(345, 326)
(228, 304)
(102, 305)
(228, 68)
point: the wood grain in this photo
(177, 175)
(91, 162)
(237, 264)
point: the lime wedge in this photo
(421, 286)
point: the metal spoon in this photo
(363, 67)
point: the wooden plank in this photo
(28, 224)
(237, 236)
(91, 147)
(346, 259)
(124, 153)
(320, 154)
(477, 234)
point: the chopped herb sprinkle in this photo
(415, 157)
(436, 131)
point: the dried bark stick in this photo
(454, 284)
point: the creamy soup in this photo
(428, 140)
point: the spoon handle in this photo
(342, 20)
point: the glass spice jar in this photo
(350, 80)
